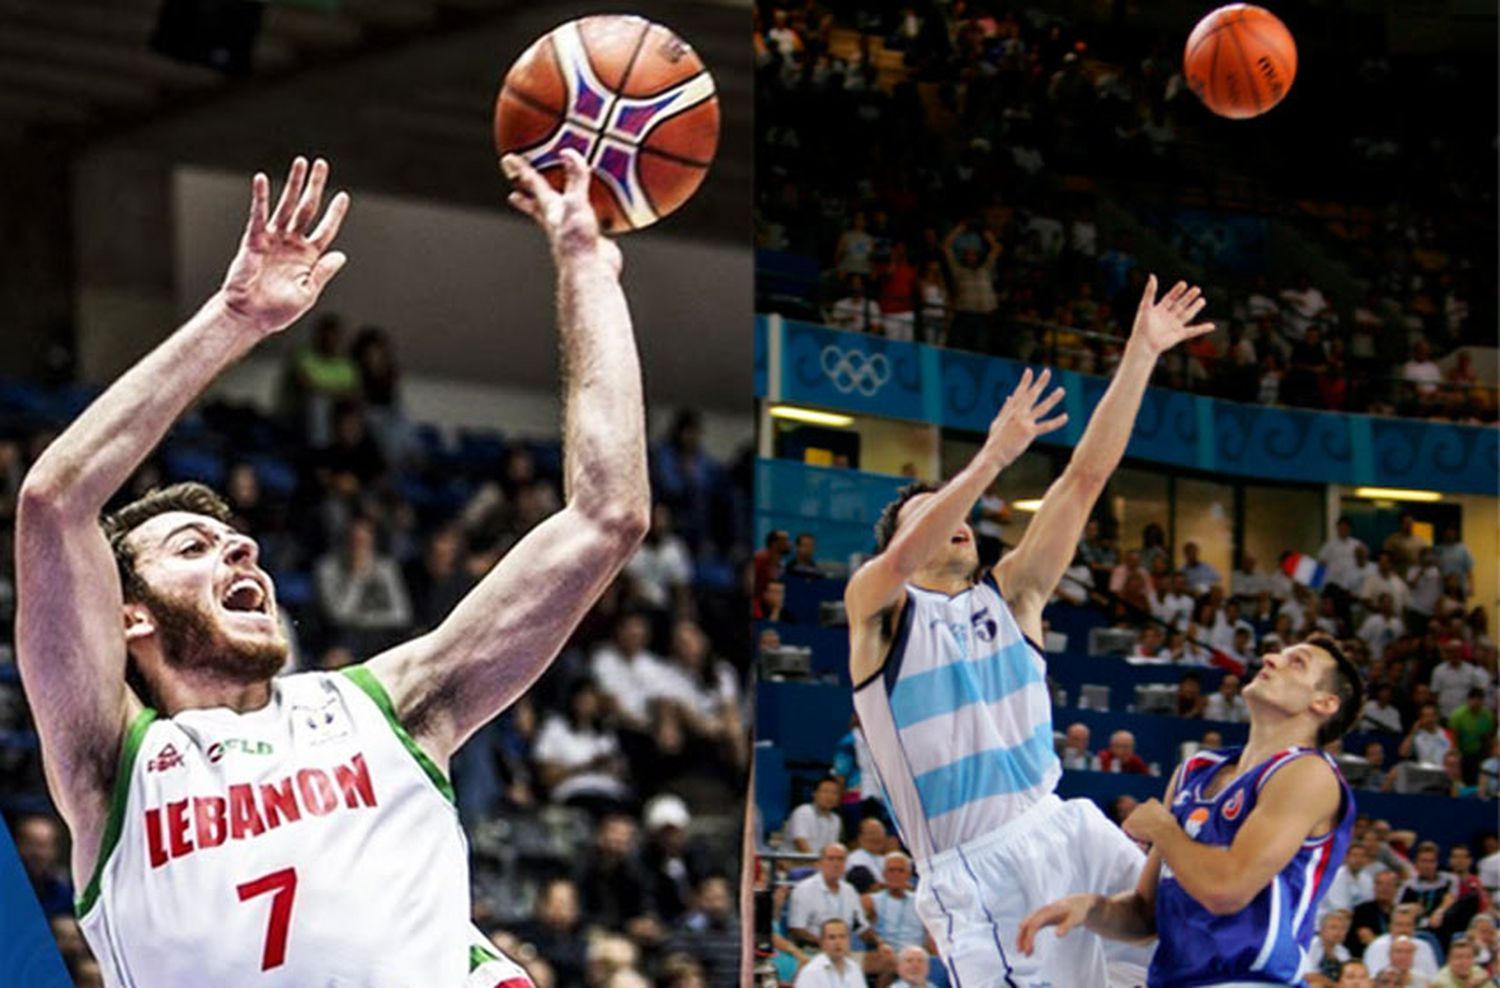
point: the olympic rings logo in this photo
(855, 370)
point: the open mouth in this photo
(246, 596)
(959, 539)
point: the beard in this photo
(192, 641)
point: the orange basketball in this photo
(631, 97)
(1240, 60)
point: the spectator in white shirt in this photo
(822, 896)
(1298, 609)
(1353, 883)
(912, 966)
(1327, 952)
(815, 823)
(577, 757)
(1385, 580)
(1305, 303)
(1422, 371)
(629, 674)
(868, 854)
(662, 567)
(1381, 628)
(1381, 713)
(1385, 949)
(1363, 569)
(1429, 740)
(833, 968)
(1227, 623)
(1426, 582)
(1453, 678)
(1226, 703)
(856, 311)
(1247, 581)
(1075, 753)
(1175, 607)
(1338, 557)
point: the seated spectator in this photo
(698, 699)
(1489, 772)
(771, 604)
(1428, 740)
(1454, 678)
(1149, 647)
(1425, 582)
(1200, 575)
(1381, 713)
(1243, 649)
(1461, 971)
(825, 896)
(40, 846)
(556, 930)
(1385, 580)
(892, 910)
(1248, 582)
(1120, 756)
(439, 580)
(1128, 566)
(1453, 769)
(833, 968)
(362, 593)
(1382, 628)
(1075, 753)
(614, 888)
(1472, 898)
(710, 933)
(1327, 954)
(662, 568)
(912, 965)
(1227, 624)
(866, 862)
(1226, 703)
(1483, 935)
(1401, 948)
(1423, 374)
(629, 674)
(1353, 884)
(1354, 974)
(1380, 777)
(768, 559)
(1374, 917)
(804, 562)
(1433, 891)
(815, 824)
(578, 757)
(1454, 559)
(1175, 608)
(1097, 553)
(1191, 703)
(855, 311)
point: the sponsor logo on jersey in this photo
(958, 633)
(1232, 808)
(1193, 825)
(985, 627)
(166, 758)
(219, 749)
(184, 826)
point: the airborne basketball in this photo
(631, 97)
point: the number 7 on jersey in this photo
(284, 884)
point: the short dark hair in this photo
(189, 496)
(772, 534)
(1345, 682)
(885, 525)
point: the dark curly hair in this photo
(885, 525)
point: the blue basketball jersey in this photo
(1265, 941)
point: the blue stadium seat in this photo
(276, 476)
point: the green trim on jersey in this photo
(479, 957)
(365, 680)
(129, 748)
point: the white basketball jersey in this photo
(308, 844)
(958, 719)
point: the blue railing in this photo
(852, 372)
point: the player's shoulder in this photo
(1299, 774)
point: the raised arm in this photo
(877, 584)
(69, 634)
(507, 630)
(1028, 574)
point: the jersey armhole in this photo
(371, 687)
(119, 796)
(890, 666)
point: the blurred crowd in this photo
(603, 807)
(946, 164)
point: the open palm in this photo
(1161, 325)
(283, 265)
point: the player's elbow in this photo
(1226, 901)
(621, 526)
(45, 495)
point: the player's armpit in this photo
(502, 636)
(1029, 573)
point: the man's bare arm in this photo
(1028, 575)
(507, 630)
(69, 635)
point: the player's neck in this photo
(1271, 732)
(943, 580)
(198, 690)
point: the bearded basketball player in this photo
(235, 828)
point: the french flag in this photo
(1306, 570)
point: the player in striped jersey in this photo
(1247, 843)
(950, 685)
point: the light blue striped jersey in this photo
(958, 719)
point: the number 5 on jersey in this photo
(283, 884)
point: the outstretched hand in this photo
(567, 217)
(1021, 418)
(284, 261)
(1162, 325)
(1064, 914)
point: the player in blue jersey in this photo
(950, 685)
(1247, 843)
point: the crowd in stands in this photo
(602, 807)
(944, 165)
